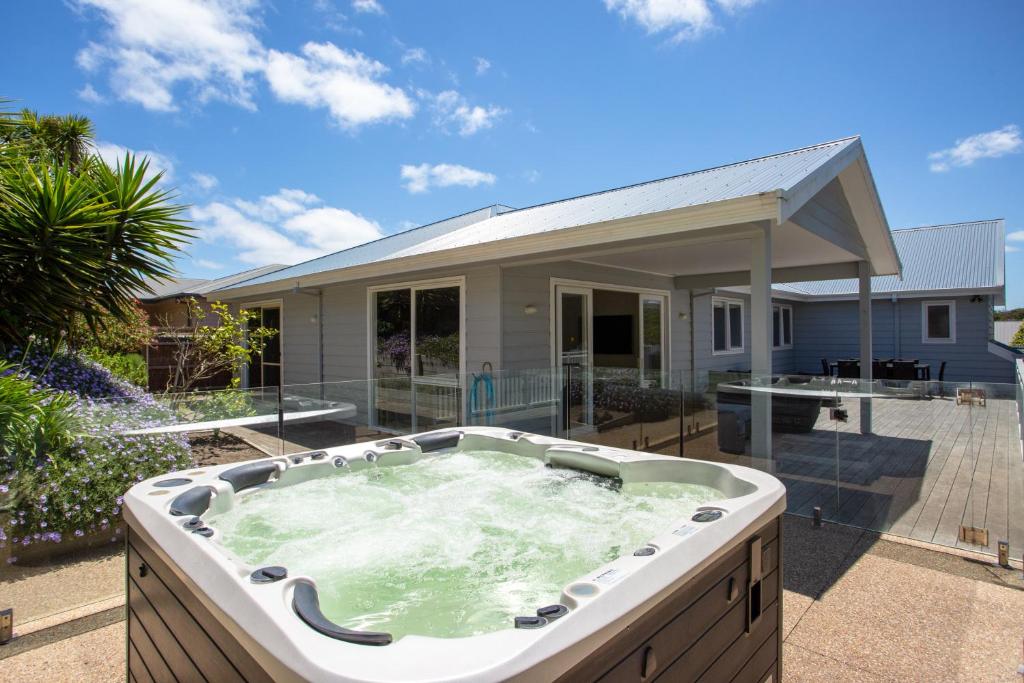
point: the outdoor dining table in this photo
(922, 371)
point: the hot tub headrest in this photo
(435, 442)
(247, 476)
(306, 604)
(192, 502)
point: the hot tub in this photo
(477, 554)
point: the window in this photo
(727, 326)
(938, 322)
(782, 326)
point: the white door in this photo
(575, 357)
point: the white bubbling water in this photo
(453, 545)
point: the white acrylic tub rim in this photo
(261, 616)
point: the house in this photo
(166, 304)
(515, 289)
(939, 311)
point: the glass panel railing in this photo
(932, 461)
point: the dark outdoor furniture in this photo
(848, 369)
(903, 370)
(826, 369)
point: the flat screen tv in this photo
(613, 334)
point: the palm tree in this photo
(77, 236)
(57, 140)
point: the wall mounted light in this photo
(529, 309)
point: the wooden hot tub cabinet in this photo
(706, 630)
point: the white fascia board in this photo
(792, 200)
(675, 221)
(862, 195)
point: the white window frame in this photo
(783, 344)
(951, 339)
(371, 336)
(730, 350)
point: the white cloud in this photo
(733, 6)
(205, 181)
(209, 265)
(1011, 249)
(482, 65)
(307, 227)
(531, 175)
(344, 82)
(113, 154)
(990, 145)
(415, 55)
(89, 94)
(367, 6)
(684, 19)
(331, 229)
(153, 46)
(421, 178)
(1016, 236)
(274, 207)
(453, 110)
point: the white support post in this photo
(866, 355)
(761, 345)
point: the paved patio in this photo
(857, 607)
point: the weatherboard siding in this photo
(345, 326)
(526, 339)
(830, 330)
(705, 361)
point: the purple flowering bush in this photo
(76, 490)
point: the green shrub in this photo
(131, 367)
(67, 477)
(1018, 337)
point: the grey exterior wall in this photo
(499, 331)
(345, 321)
(830, 330)
(783, 360)
(526, 339)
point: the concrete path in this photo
(857, 607)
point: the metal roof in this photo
(185, 286)
(746, 178)
(380, 249)
(967, 256)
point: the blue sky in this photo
(296, 127)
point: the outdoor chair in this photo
(880, 369)
(849, 369)
(825, 369)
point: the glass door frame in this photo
(563, 426)
(414, 379)
(558, 285)
(252, 306)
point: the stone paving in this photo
(857, 607)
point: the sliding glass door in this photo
(573, 330)
(652, 340)
(417, 356)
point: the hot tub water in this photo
(453, 545)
